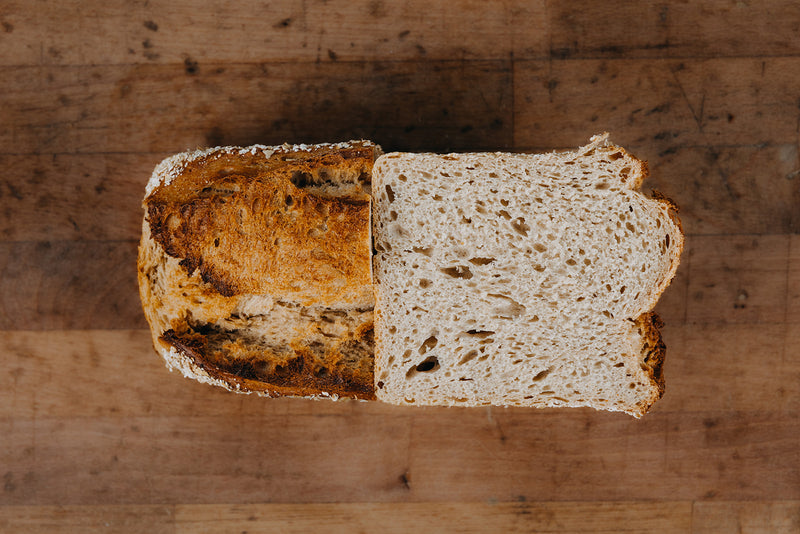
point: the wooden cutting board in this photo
(97, 435)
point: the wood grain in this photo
(99, 109)
(733, 367)
(728, 190)
(205, 459)
(435, 455)
(750, 517)
(398, 104)
(584, 517)
(62, 197)
(738, 279)
(793, 274)
(56, 285)
(438, 517)
(120, 32)
(672, 29)
(87, 519)
(780, 517)
(661, 102)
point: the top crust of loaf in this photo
(263, 220)
(255, 271)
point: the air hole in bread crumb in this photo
(520, 227)
(427, 345)
(538, 268)
(480, 333)
(481, 261)
(538, 247)
(468, 357)
(666, 240)
(402, 177)
(389, 193)
(429, 364)
(504, 214)
(570, 261)
(216, 242)
(601, 185)
(424, 283)
(301, 179)
(380, 384)
(458, 271)
(392, 215)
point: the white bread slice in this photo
(518, 279)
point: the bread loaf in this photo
(499, 279)
(255, 267)
(515, 279)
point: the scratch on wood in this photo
(496, 424)
(698, 116)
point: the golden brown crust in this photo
(255, 268)
(653, 353)
(301, 373)
(253, 223)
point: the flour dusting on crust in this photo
(171, 167)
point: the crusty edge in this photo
(653, 354)
(181, 357)
(177, 360)
(639, 167)
(172, 166)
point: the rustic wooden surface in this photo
(96, 435)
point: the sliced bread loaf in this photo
(515, 279)
(255, 267)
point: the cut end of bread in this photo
(520, 280)
(255, 270)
